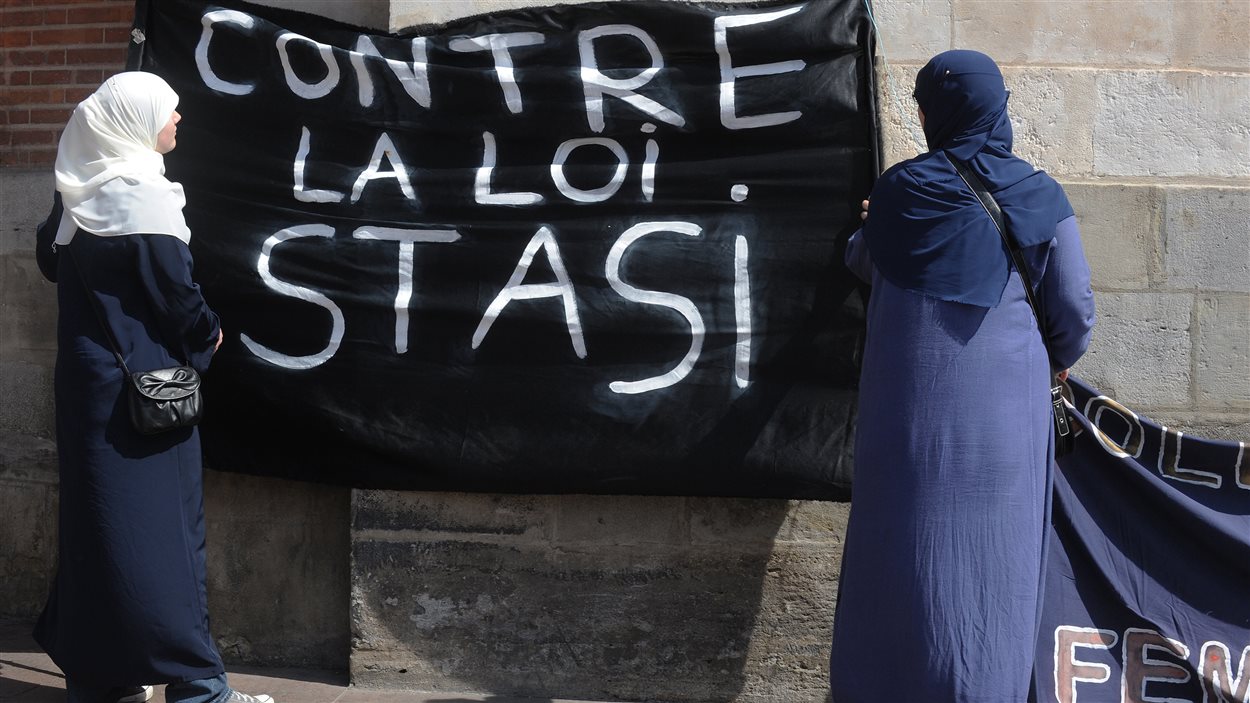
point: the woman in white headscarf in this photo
(129, 604)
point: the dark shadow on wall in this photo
(278, 565)
(594, 597)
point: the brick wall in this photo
(55, 53)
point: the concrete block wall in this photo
(1145, 123)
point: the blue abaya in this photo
(940, 589)
(941, 576)
(129, 604)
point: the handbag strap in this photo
(95, 305)
(995, 212)
(1013, 249)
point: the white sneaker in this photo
(137, 694)
(236, 697)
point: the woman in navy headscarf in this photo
(940, 591)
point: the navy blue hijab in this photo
(926, 230)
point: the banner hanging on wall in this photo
(579, 249)
(1148, 571)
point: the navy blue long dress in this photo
(939, 599)
(129, 603)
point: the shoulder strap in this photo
(95, 305)
(1013, 250)
(1062, 428)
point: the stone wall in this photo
(1141, 109)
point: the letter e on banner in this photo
(730, 73)
(1140, 668)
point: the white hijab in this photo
(110, 176)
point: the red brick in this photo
(4, 118)
(90, 76)
(33, 96)
(73, 96)
(112, 56)
(54, 16)
(56, 116)
(102, 15)
(16, 3)
(15, 38)
(117, 35)
(21, 18)
(19, 78)
(34, 137)
(29, 156)
(37, 57)
(19, 116)
(68, 35)
(57, 77)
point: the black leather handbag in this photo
(164, 399)
(1059, 409)
(159, 400)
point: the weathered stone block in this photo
(27, 404)
(27, 547)
(28, 522)
(1120, 231)
(901, 135)
(25, 199)
(1075, 32)
(28, 306)
(454, 515)
(1052, 118)
(1140, 352)
(913, 30)
(1222, 350)
(278, 581)
(1233, 426)
(738, 524)
(816, 521)
(1051, 112)
(1212, 34)
(621, 520)
(602, 622)
(1207, 238)
(1172, 123)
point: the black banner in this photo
(580, 249)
